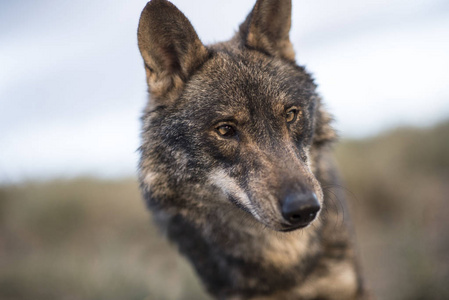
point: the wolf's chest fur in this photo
(235, 159)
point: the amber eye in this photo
(226, 130)
(291, 114)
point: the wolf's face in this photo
(233, 123)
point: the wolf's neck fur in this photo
(232, 251)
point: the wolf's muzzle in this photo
(299, 209)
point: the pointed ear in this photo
(170, 49)
(267, 28)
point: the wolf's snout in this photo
(300, 209)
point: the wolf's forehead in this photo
(238, 81)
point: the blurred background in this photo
(72, 88)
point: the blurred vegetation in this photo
(92, 239)
(399, 193)
(86, 239)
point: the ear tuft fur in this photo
(324, 133)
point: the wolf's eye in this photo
(226, 130)
(291, 114)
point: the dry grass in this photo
(86, 239)
(92, 239)
(400, 186)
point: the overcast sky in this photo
(72, 85)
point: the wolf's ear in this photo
(267, 28)
(170, 49)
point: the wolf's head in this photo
(236, 122)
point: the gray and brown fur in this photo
(218, 197)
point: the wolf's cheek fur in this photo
(233, 191)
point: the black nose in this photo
(300, 209)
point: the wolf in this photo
(236, 163)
